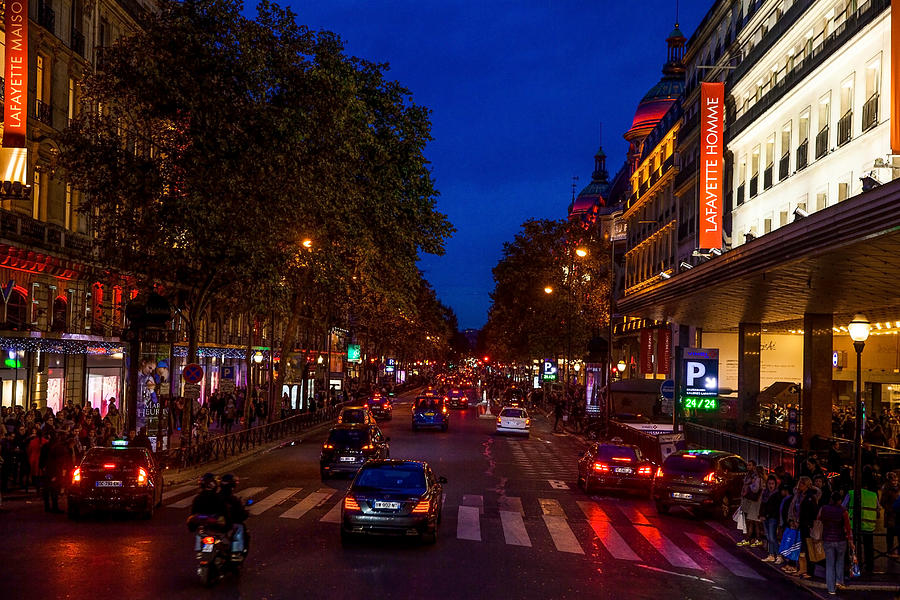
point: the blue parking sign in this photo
(227, 372)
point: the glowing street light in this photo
(548, 290)
(581, 252)
(307, 243)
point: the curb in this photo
(226, 464)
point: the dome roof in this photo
(660, 97)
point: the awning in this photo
(841, 260)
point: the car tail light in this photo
(142, 476)
(498, 420)
(368, 447)
(209, 540)
(351, 504)
(327, 446)
(444, 410)
(422, 507)
(527, 422)
(710, 477)
(601, 467)
(76, 475)
(109, 465)
(645, 471)
(621, 459)
(659, 472)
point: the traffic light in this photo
(487, 359)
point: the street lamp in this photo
(621, 366)
(258, 357)
(581, 252)
(548, 290)
(859, 332)
(307, 243)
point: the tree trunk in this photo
(187, 418)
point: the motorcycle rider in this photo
(208, 502)
(235, 516)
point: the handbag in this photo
(815, 532)
(790, 544)
(815, 550)
(854, 565)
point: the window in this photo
(770, 162)
(68, 206)
(36, 193)
(60, 313)
(16, 310)
(784, 162)
(844, 189)
(824, 116)
(70, 107)
(783, 216)
(844, 131)
(821, 199)
(873, 88)
(804, 126)
(39, 79)
(767, 224)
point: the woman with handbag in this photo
(751, 493)
(835, 535)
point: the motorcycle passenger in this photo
(208, 502)
(235, 516)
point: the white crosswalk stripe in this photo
(250, 492)
(608, 536)
(672, 553)
(514, 531)
(273, 499)
(183, 503)
(334, 515)
(729, 561)
(179, 491)
(468, 525)
(555, 520)
(307, 504)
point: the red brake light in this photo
(351, 504)
(621, 459)
(659, 472)
(142, 476)
(109, 465)
(76, 475)
(602, 467)
(645, 470)
(710, 477)
(327, 446)
(422, 507)
(209, 540)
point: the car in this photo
(430, 412)
(348, 447)
(393, 497)
(615, 466)
(116, 478)
(356, 415)
(513, 420)
(381, 407)
(457, 398)
(708, 480)
(514, 397)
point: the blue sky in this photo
(518, 90)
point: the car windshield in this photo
(348, 437)
(428, 404)
(97, 457)
(515, 413)
(688, 463)
(392, 478)
(353, 415)
(616, 452)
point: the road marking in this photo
(563, 538)
(671, 552)
(609, 537)
(183, 503)
(468, 526)
(551, 507)
(636, 516)
(510, 504)
(704, 579)
(558, 485)
(179, 491)
(248, 492)
(305, 505)
(730, 562)
(729, 533)
(472, 500)
(258, 508)
(514, 528)
(333, 515)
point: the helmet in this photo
(228, 483)
(208, 482)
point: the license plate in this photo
(348, 459)
(108, 484)
(429, 414)
(208, 547)
(387, 505)
(682, 496)
(624, 470)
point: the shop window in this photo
(97, 309)
(17, 310)
(60, 313)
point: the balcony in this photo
(870, 113)
(845, 125)
(784, 166)
(77, 43)
(802, 155)
(822, 143)
(47, 17)
(36, 234)
(43, 112)
(767, 176)
(739, 197)
(754, 186)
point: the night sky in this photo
(518, 90)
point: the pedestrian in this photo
(229, 413)
(558, 413)
(890, 491)
(141, 440)
(34, 459)
(56, 462)
(836, 533)
(751, 493)
(870, 512)
(770, 504)
(116, 420)
(802, 512)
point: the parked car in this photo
(708, 480)
(615, 466)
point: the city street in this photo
(534, 535)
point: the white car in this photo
(513, 420)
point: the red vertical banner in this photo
(664, 344)
(712, 115)
(646, 351)
(15, 114)
(894, 77)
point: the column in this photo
(815, 401)
(749, 338)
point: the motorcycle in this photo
(213, 546)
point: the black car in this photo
(457, 398)
(430, 412)
(359, 415)
(381, 407)
(615, 466)
(393, 497)
(115, 478)
(348, 447)
(709, 480)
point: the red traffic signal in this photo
(487, 359)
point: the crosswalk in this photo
(592, 527)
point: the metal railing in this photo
(767, 176)
(784, 166)
(739, 198)
(764, 453)
(845, 126)
(17, 226)
(870, 113)
(803, 155)
(238, 442)
(754, 185)
(43, 112)
(822, 142)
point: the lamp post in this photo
(859, 331)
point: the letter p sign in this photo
(694, 371)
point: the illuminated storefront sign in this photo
(13, 156)
(895, 76)
(700, 375)
(712, 113)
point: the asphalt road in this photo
(534, 535)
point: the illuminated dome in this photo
(661, 96)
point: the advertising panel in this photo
(700, 378)
(13, 154)
(646, 351)
(712, 113)
(664, 346)
(549, 370)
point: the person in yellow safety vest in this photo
(870, 512)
